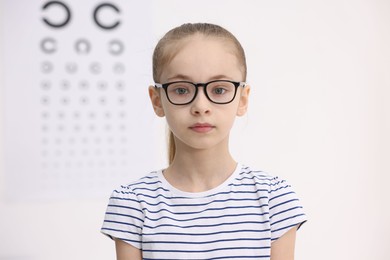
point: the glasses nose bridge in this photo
(197, 86)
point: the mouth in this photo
(202, 127)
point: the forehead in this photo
(200, 58)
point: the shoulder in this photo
(149, 182)
(276, 189)
(149, 179)
(125, 214)
(261, 178)
(284, 208)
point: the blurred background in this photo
(76, 120)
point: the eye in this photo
(219, 90)
(181, 91)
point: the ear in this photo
(244, 99)
(155, 98)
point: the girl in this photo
(204, 205)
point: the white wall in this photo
(319, 117)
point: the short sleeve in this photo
(124, 217)
(285, 208)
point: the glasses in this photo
(217, 91)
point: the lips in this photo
(202, 127)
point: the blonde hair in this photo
(165, 51)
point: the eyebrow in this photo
(178, 77)
(188, 78)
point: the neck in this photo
(196, 170)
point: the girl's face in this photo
(201, 124)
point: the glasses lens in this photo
(181, 92)
(221, 91)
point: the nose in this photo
(201, 104)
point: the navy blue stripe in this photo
(123, 215)
(210, 225)
(282, 203)
(124, 207)
(141, 189)
(122, 231)
(150, 176)
(206, 242)
(142, 182)
(281, 195)
(215, 194)
(202, 204)
(120, 198)
(208, 217)
(256, 183)
(196, 198)
(151, 190)
(257, 177)
(208, 234)
(122, 223)
(284, 211)
(279, 221)
(214, 258)
(284, 187)
(249, 172)
(124, 192)
(206, 251)
(209, 209)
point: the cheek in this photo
(228, 116)
(173, 117)
(167, 107)
(170, 119)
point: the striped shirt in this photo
(239, 219)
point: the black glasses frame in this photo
(197, 85)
